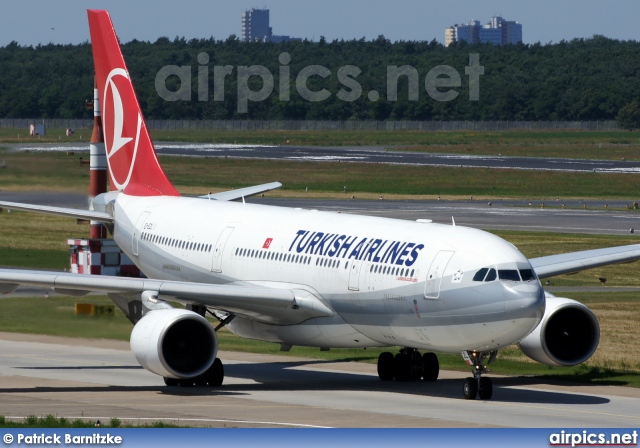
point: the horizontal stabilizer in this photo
(59, 211)
(232, 195)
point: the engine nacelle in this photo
(567, 335)
(174, 343)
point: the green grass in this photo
(200, 175)
(51, 421)
(191, 175)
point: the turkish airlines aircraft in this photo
(303, 277)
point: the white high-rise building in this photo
(255, 25)
(498, 32)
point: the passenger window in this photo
(491, 276)
(510, 275)
(480, 275)
(527, 275)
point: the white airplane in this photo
(304, 277)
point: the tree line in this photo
(581, 79)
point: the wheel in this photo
(386, 366)
(402, 367)
(171, 382)
(431, 367)
(200, 380)
(485, 391)
(215, 374)
(187, 382)
(470, 388)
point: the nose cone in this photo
(525, 302)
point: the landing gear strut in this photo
(408, 365)
(478, 386)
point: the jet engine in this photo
(567, 335)
(174, 343)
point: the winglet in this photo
(133, 165)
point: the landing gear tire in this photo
(187, 382)
(431, 367)
(470, 388)
(171, 382)
(200, 380)
(386, 366)
(215, 374)
(485, 389)
(402, 367)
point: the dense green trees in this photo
(584, 79)
(629, 117)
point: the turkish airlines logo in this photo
(267, 243)
(121, 154)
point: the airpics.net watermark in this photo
(440, 83)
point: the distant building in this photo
(498, 32)
(255, 27)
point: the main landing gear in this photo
(478, 386)
(408, 365)
(213, 377)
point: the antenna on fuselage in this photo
(243, 200)
(453, 221)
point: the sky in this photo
(43, 21)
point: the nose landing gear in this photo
(478, 386)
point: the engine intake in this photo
(174, 343)
(567, 335)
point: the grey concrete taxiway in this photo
(101, 380)
(577, 217)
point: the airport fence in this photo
(316, 125)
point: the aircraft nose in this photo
(525, 301)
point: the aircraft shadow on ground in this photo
(293, 376)
(285, 376)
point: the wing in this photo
(59, 211)
(273, 305)
(242, 192)
(552, 265)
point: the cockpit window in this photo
(480, 275)
(491, 276)
(509, 275)
(527, 275)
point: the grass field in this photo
(40, 171)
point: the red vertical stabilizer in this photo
(131, 158)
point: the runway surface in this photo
(101, 379)
(366, 154)
(496, 215)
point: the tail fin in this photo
(133, 165)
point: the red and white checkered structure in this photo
(100, 257)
